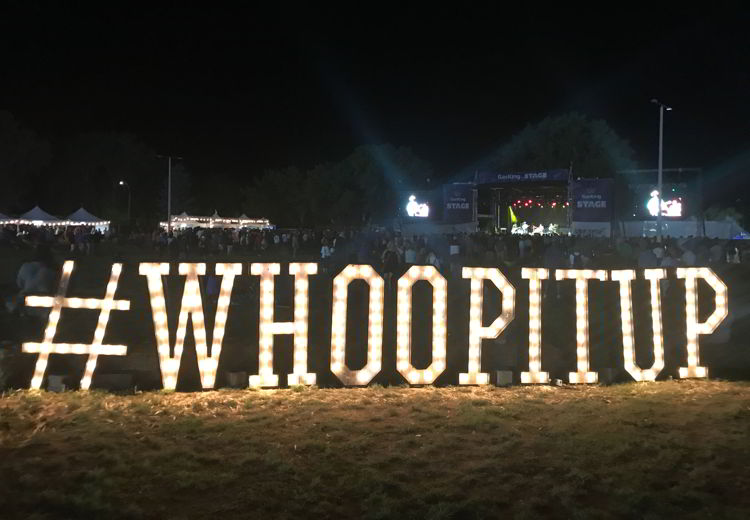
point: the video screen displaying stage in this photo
(675, 202)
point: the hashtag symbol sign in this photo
(56, 304)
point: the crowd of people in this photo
(385, 249)
(69, 239)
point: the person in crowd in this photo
(390, 262)
(575, 259)
(325, 254)
(432, 259)
(624, 250)
(410, 253)
(688, 258)
(554, 258)
(670, 257)
(295, 244)
(522, 252)
(35, 277)
(733, 254)
(716, 253)
(646, 258)
(658, 252)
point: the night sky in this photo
(236, 92)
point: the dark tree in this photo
(365, 183)
(278, 195)
(182, 193)
(90, 167)
(23, 155)
(591, 146)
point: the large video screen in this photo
(419, 205)
(674, 204)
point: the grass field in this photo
(632, 451)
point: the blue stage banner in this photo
(458, 203)
(523, 177)
(591, 200)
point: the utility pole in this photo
(169, 189)
(123, 183)
(662, 107)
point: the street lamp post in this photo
(123, 183)
(169, 190)
(662, 108)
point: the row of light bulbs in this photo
(191, 307)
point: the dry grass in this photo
(633, 451)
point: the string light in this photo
(625, 277)
(266, 326)
(535, 374)
(301, 376)
(168, 366)
(191, 307)
(92, 350)
(539, 202)
(56, 223)
(341, 283)
(187, 221)
(478, 275)
(269, 328)
(403, 328)
(582, 276)
(209, 365)
(694, 328)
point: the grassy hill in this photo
(668, 449)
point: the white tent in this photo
(4, 219)
(81, 217)
(184, 221)
(38, 217)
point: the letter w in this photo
(190, 307)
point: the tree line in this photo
(366, 185)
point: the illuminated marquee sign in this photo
(191, 308)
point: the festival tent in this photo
(4, 219)
(81, 217)
(184, 221)
(38, 217)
